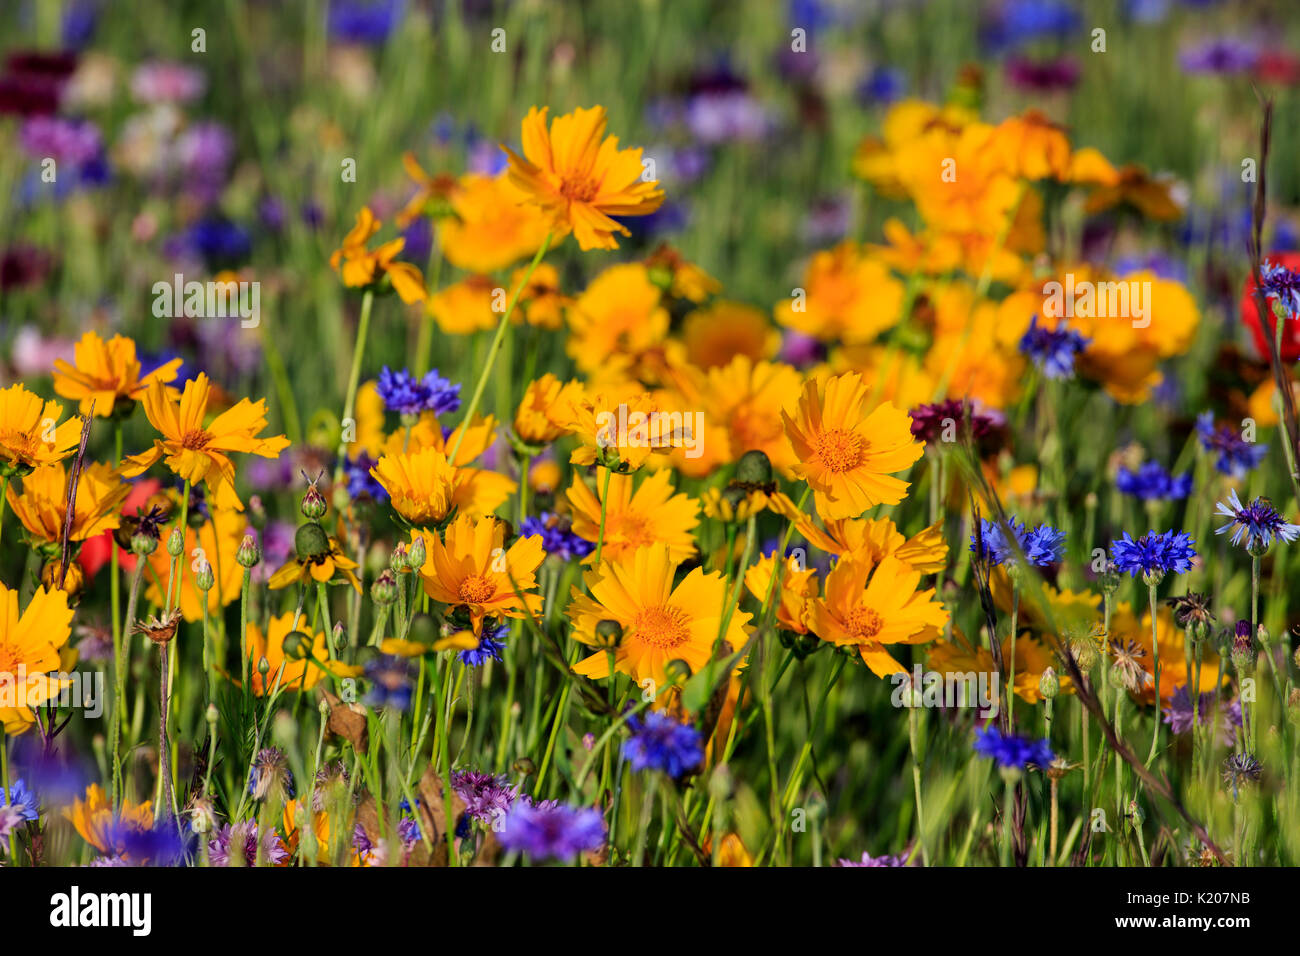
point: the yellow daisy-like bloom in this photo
(800, 589)
(722, 330)
(470, 567)
(848, 297)
(42, 504)
(317, 568)
(493, 225)
(1132, 186)
(420, 485)
(219, 539)
(1126, 626)
(475, 491)
(106, 374)
(635, 519)
(870, 606)
(895, 375)
(579, 176)
(541, 303)
(432, 193)
(95, 821)
(877, 539)
(546, 406)
(660, 622)
(29, 435)
(470, 305)
(198, 452)
(721, 506)
(360, 267)
(1032, 147)
(297, 674)
(30, 643)
(682, 278)
(1032, 658)
(620, 312)
(598, 421)
(747, 399)
(845, 453)
(369, 415)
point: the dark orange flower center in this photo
(9, 660)
(839, 450)
(662, 626)
(579, 190)
(20, 447)
(864, 622)
(196, 440)
(476, 589)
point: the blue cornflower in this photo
(361, 483)
(390, 678)
(1154, 554)
(444, 395)
(402, 392)
(1052, 350)
(551, 830)
(1152, 483)
(1012, 750)
(1281, 283)
(558, 539)
(1041, 546)
(368, 23)
(22, 799)
(1258, 522)
(491, 642)
(1236, 456)
(660, 742)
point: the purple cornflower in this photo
(361, 483)
(551, 831)
(1154, 554)
(161, 82)
(1152, 483)
(1052, 350)
(241, 839)
(405, 394)
(486, 795)
(1258, 522)
(1220, 55)
(160, 845)
(1178, 713)
(491, 642)
(64, 140)
(896, 859)
(1236, 456)
(558, 540)
(1041, 546)
(1012, 750)
(660, 742)
(270, 776)
(21, 800)
(937, 422)
(1281, 283)
(370, 23)
(1044, 76)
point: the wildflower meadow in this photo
(649, 434)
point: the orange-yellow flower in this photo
(722, 330)
(651, 514)
(870, 606)
(30, 643)
(360, 267)
(493, 225)
(42, 504)
(219, 538)
(297, 674)
(318, 568)
(198, 452)
(94, 819)
(419, 484)
(620, 313)
(544, 409)
(430, 193)
(1032, 658)
(845, 453)
(29, 433)
(877, 539)
(799, 589)
(469, 305)
(469, 566)
(660, 622)
(580, 177)
(846, 297)
(106, 374)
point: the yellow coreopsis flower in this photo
(847, 454)
(420, 485)
(870, 606)
(846, 297)
(470, 305)
(360, 267)
(580, 178)
(198, 452)
(106, 374)
(296, 674)
(661, 623)
(42, 504)
(746, 399)
(620, 313)
(651, 514)
(877, 539)
(1032, 147)
(319, 568)
(469, 566)
(543, 411)
(541, 303)
(1032, 658)
(722, 331)
(430, 194)
(799, 589)
(29, 431)
(95, 821)
(493, 225)
(30, 643)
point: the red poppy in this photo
(98, 551)
(1250, 314)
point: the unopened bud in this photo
(1049, 685)
(203, 577)
(249, 554)
(176, 543)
